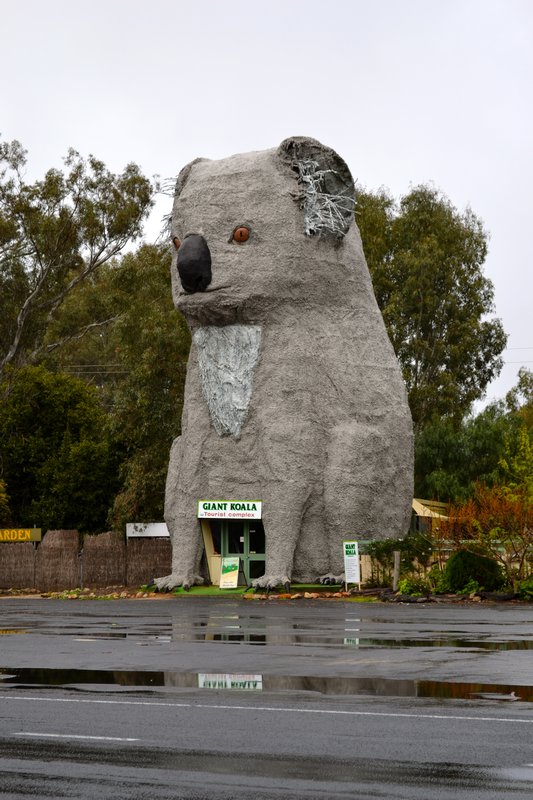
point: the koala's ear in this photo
(326, 187)
(183, 177)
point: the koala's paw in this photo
(169, 582)
(331, 579)
(271, 581)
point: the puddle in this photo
(379, 687)
(351, 641)
(214, 630)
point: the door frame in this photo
(246, 556)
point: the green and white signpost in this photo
(352, 567)
(229, 572)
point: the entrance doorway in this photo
(242, 538)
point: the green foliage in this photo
(517, 465)
(4, 504)
(520, 398)
(415, 554)
(139, 360)
(417, 587)
(54, 234)
(426, 261)
(525, 589)
(472, 587)
(466, 565)
(437, 580)
(57, 456)
(450, 458)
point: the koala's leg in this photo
(352, 491)
(367, 484)
(183, 526)
(282, 520)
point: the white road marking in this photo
(272, 709)
(76, 736)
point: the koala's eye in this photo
(176, 242)
(241, 234)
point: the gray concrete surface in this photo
(103, 699)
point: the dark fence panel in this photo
(57, 564)
(147, 559)
(17, 565)
(104, 560)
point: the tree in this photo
(4, 504)
(57, 456)
(499, 517)
(426, 262)
(489, 448)
(520, 398)
(138, 360)
(451, 458)
(500, 521)
(55, 234)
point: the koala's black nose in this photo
(194, 263)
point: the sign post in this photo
(352, 569)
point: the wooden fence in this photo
(66, 560)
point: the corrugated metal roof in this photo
(422, 510)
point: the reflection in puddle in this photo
(380, 687)
(305, 635)
(244, 683)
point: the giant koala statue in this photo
(293, 393)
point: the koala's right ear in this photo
(326, 187)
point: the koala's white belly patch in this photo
(227, 357)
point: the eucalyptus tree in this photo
(55, 234)
(426, 260)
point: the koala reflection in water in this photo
(293, 394)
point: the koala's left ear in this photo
(327, 192)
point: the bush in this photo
(465, 566)
(525, 589)
(472, 587)
(414, 586)
(437, 580)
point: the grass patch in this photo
(214, 591)
(209, 591)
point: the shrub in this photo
(525, 589)
(465, 566)
(472, 587)
(437, 580)
(414, 586)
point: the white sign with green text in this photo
(229, 509)
(352, 569)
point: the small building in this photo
(427, 515)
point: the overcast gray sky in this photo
(407, 91)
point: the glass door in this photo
(245, 539)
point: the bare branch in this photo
(75, 336)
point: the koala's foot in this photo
(271, 581)
(169, 582)
(331, 579)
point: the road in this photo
(329, 699)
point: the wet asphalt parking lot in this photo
(220, 698)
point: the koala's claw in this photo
(271, 581)
(331, 579)
(169, 582)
